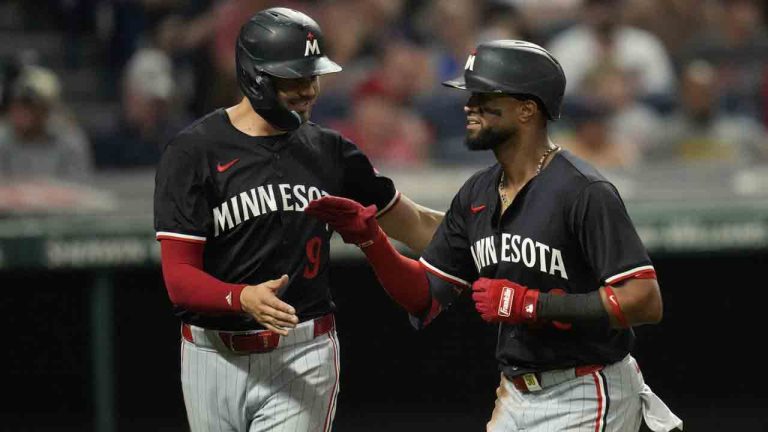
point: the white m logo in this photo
(311, 48)
(470, 63)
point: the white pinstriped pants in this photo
(290, 389)
(614, 399)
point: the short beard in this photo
(488, 138)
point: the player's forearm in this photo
(411, 223)
(637, 302)
(572, 308)
(192, 288)
(429, 220)
(404, 279)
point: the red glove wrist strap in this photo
(378, 237)
(530, 304)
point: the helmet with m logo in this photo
(516, 68)
(284, 43)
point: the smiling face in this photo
(298, 94)
(491, 119)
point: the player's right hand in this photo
(355, 223)
(262, 303)
(501, 300)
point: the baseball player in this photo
(245, 268)
(549, 251)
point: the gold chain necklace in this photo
(503, 193)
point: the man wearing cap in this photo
(37, 140)
(149, 115)
(245, 268)
(548, 250)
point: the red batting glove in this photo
(356, 224)
(501, 300)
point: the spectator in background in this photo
(737, 47)
(382, 120)
(502, 20)
(591, 138)
(630, 122)
(129, 24)
(698, 132)
(37, 138)
(346, 33)
(603, 39)
(674, 22)
(389, 133)
(358, 31)
(149, 115)
(545, 17)
(452, 25)
(402, 73)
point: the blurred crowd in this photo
(649, 81)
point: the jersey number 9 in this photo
(313, 256)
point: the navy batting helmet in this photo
(283, 43)
(517, 68)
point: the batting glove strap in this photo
(378, 237)
(528, 312)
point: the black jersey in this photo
(568, 229)
(244, 198)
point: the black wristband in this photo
(572, 308)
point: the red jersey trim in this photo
(164, 235)
(443, 275)
(642, 272)
(388, 207)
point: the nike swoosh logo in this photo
(221, 168)
(613, 300)
(477, 209)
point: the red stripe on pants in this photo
(328, 419)
(599, 390)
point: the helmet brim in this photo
(301, 68)
(476, 85)
(457, 83)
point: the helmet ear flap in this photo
(260, 90)
(255, 84)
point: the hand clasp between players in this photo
(262, 303)
(355, 223)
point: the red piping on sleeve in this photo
(393, 203)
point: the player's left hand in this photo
(261, 302)
(356, 224)
(501, 300)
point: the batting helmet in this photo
(283, 43)
(517, 68)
